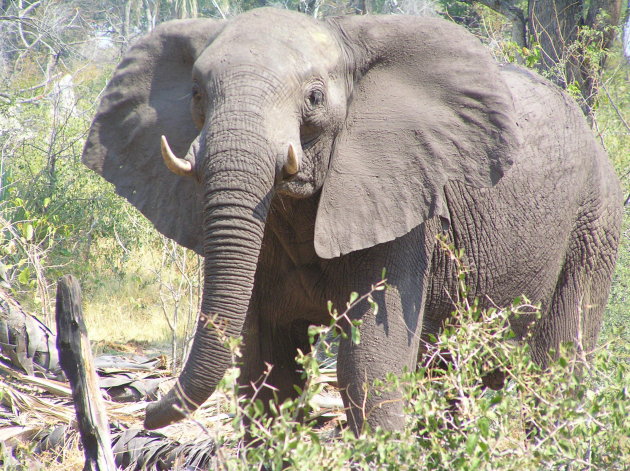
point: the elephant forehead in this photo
(285, 43)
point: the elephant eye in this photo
(316, 98)
(196, 92)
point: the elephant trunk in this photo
(237, 202)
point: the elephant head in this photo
(380, 111)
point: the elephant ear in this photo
(428, 106)
(149, 95)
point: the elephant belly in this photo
(511, 249)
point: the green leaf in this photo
(353, 297)
(484, 426)
(259, 407)
(314, 331)
(564, 444)
(471, 443)
(24, 275)
(374, 306)
(28, 231)
(355, 335)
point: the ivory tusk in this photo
(176, 165)
(293, 164)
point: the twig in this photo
(216, 5)
(612, 103)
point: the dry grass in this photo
(36, 412)
(131, 298)
(41, 406)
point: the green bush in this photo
(574, 415)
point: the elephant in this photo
(301, 157)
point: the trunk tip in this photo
(166, 411)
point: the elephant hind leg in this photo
(577, 306)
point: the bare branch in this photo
(612, 103)
(216, 5)
(31, 7)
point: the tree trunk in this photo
(360, 7)
(573, 36)
(554, 26)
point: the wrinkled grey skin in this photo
(404, 128)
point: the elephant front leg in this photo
(269, 371)
(389, 341)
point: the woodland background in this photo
(141, 290)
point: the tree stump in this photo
(75, 357)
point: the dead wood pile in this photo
(37, 415)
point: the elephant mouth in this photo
(296, 186)
(304, 183)
(309, 143)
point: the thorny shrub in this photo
(573, 415)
